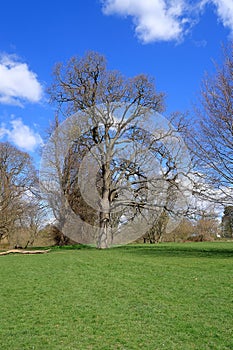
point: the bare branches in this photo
(86, 82)
(211, 139)
(17, 180)
(122, 167)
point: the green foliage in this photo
(164, 296)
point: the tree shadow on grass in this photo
(184, 251)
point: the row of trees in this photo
(113, 167)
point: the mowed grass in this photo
(166, 296)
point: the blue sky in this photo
(174, 41)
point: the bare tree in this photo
(32, 220)
(118, 162)
(182, 232)
(17, 180)
(211, 138)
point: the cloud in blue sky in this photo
(225, 12)
(18, 84)
(166, 20)
(20, 135)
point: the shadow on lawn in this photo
(185, 251)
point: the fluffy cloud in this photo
(18, 83)
(225, 12)
(154, 20)
(165, 20)
(21, 135)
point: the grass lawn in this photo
(166, 296)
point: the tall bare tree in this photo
(118, 162)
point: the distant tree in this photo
(206, 229)
(227, 222)
(17, 181)
(182, 232)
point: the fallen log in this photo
(21, 251)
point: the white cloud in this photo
(166, 20)
(225, 12)
(154, 20)
(18, 83)
(21, 135)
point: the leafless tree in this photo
(17, 181)
(120, 160)
(211, 137)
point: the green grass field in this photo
(166, 296)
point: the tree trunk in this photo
(103, 239)
(103, 235)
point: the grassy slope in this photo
(168, 296)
